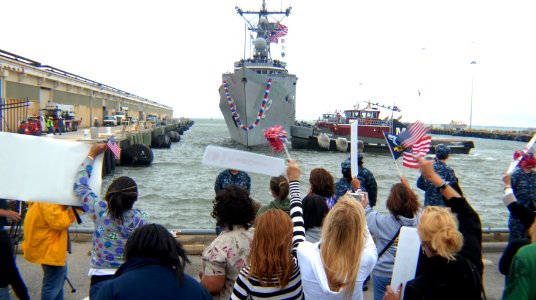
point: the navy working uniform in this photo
(365, 177)
(524, 187)
(226, 178)
(432, 196)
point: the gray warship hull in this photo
(247, 88)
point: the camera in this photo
(357, 195)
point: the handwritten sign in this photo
(244, 161)
(407, 255)
(42, 169)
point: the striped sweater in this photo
(247, 287)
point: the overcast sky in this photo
(343, 52)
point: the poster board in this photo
(42, 169)
(407, 256)
(354, 150)
(244, 161)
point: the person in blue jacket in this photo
(232, 177)
(154, 269)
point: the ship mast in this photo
(263, 27)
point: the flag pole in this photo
(393, 156)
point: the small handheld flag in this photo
(114, 147)
(413, 135)
(277, 136)
(419, 149)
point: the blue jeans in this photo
(380, 286)
(4, 293)
(53, 281)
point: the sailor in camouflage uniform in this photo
(365, 177)
(432, 196)
(232, 177)
(367, 180)
(524, 187)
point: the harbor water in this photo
(177, 190)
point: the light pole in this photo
(472, 81)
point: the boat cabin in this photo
(362, 114)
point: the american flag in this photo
(280, 31)
(419, 149)
(114, 147)
(414, 134)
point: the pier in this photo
(194, 242)
(27, 86)
(521, 136)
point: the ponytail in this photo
(121, 195)
(279, 185)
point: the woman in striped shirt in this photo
(272, 271)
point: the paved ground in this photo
(79, 260)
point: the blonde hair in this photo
(270, 254)
(344, 236)
(439, 228)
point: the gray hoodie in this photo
(383, 228)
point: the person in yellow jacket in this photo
(45, 243)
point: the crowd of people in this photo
(323, 245)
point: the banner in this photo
(42, 169)
(244, 161)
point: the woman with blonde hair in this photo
(451, 267)
(337, 266)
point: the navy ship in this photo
(260, 92)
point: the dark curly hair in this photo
(233, 206)
(322, 182)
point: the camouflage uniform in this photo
(226, 179)
(524, 187)
(431, 195)
(344, 185)
(368, 184)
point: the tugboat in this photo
(260, 92)
(332, 131)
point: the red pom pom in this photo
(276, 136)
(527, 160)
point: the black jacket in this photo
(145, 278)
(458, 279)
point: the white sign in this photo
(243, 161)
(42, 169)
(407, 256)
(354, 151)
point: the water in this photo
(177, 190)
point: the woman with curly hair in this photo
(322, 183)
(403, 206)
(234, 210)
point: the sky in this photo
(344, 52)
